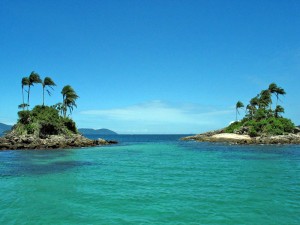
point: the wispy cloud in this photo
(161, 113)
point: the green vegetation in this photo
(260, 118)
(238, 105)
(42, 121)
(46, 120)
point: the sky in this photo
(151, 67)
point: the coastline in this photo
(231, 138)
(26, 142)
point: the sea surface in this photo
(152, 179)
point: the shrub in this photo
(24, 117)
(252, 132)
(233, 127)
(70, 125)
(43, 121)
(269, 126)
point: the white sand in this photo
(232, 136)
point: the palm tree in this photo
(69, 99)
(34, 78)
(25, 82)
(265, 99)
(47, 82)
(274, 89)
(238, 105)
(251, 110)
(279, 91)
(279, 109)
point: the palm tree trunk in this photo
(64, 106)
(28, 97)
(236, 115)
(23, 97)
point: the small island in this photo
(46, 127)
(261, 124)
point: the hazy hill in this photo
(4, 127)
(89, 131)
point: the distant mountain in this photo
(4, 127)
(89, 131)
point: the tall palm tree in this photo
(238, 105)
(279, 91)
(69, 99)
(47, 82)
(25, 82)
(265, 99)
(274, 89)
(34, 78)
(251, 110)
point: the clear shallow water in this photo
(152, 180)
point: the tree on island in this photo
(238, 105)
(25, 82)
(69, 99)
(34, 78)
(274, 89)
(46, 120)
(47, 82)
(260, 118)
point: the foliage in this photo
(233, 127)
(69, 99)
(24, 117)
(44, 120)
(48, 82)
(70, 124)
(238, 105)
(260, 118)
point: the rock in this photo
(296, 130)
(49, 142)
(245, 139)
(101, 141)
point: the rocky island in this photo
(46, 127)
(261, 124)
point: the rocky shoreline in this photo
(220, 136)
(14, 142)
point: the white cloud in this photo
(161, 113)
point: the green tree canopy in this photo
(34, 78)
(69, 99)
(238, 105)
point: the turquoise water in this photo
(152, 180)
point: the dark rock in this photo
(11, 142)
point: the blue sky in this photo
(151, 66)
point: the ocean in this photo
(152, 179)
